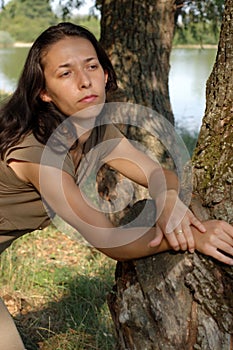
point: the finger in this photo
(223, 233)
(223, 236)
(197, 223)
(227, 228)
(223, 258)
(158, 237)
(180, 236)
(189, 238)
(172, 240)
(225, 248)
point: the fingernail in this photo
(192, 250)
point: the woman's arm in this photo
(138, 167)
(217, 242)
(63, 195)
(59, 190)
(174, 218)
(139, 248)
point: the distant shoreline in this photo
(197, 46)
(21, 44)
(204, 46)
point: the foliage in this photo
(64, 8)
(91, 23)
(198, 22)
(194, 18)
(25, 19)
(56, 289)
(18, 16)
(196, 34)
(189, 138)
(201, 11)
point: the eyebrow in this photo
(67, 65)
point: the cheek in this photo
(58, 96)
(59, 100)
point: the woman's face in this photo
(74, 78)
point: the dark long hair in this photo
(25, 112)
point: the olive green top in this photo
(21, 206)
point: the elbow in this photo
(117, 254)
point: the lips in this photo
(88, 99)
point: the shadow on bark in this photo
(172, 301)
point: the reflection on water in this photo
(6, 84)
(11, 64)
(190, 68)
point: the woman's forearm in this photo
(138, 248)
(216, 242)
(162, 180)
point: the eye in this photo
(93, 66)
(65, 74)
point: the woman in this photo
(61, 95)
(67, 73)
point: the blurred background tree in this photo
(197, 22)
(24, 20)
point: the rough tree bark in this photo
(138, 37)
(181, 301)
(140, 52)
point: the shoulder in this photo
(28, 149)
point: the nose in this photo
(84, 80)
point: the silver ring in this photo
(180, 232)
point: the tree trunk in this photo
(177, 300)
(140, 49)
(213, 163)
(173, 301)
(140, 52)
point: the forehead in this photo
(67, 49)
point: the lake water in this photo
(190, 69)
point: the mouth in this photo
(88, 99)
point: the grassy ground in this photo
(56, 290)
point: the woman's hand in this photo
(217, 240)
(175, 221)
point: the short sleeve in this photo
(31, 150)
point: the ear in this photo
(45, 96)
(105, 77)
